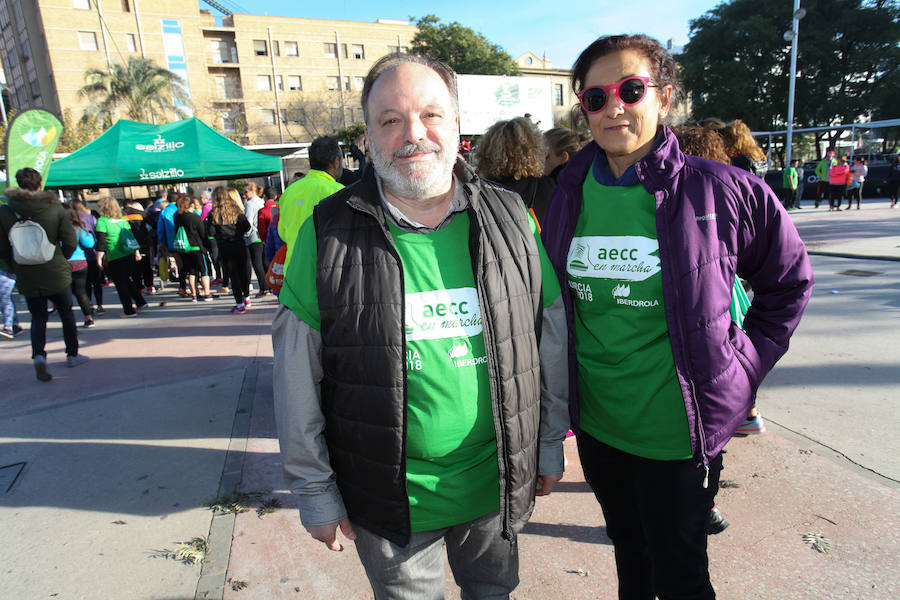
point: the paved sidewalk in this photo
(175, 408)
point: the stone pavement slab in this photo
(111, 485)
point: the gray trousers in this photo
(484, 565)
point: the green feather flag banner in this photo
(30, 142)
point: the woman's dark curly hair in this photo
(663, 68)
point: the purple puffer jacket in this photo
(712, 221)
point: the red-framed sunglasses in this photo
(630, 90)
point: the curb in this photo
(849, 255)
(215, 566)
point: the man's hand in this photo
(546, 483)
(327, 534)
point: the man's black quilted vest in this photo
(361, 299)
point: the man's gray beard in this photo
(424, 181)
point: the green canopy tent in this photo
(132, 153)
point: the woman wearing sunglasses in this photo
(648, 242)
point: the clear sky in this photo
(561, 29)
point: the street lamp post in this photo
(792, 36)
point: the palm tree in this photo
(142, 89)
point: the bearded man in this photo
(420, 372)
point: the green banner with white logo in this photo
(30, 142)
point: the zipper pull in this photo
(705, 476)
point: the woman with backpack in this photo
(78, 262)
(40, 280)
(116, 243)
(189, 230)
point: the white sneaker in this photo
(78, 359)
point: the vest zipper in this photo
(390, 242)
(496, 405)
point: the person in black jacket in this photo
(227, 224)
(195, 263)
(512, 154)
(143, 270)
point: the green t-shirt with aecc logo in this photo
(452, 470)
(629, 393)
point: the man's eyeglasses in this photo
(630, 90)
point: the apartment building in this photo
(259, 79)
(532, 65)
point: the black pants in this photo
(821, 190)
(216, 264)
(257, 252)
(120, 271)
(95, 281)
(235, 259)
(37, 306)
(656, 513)
(836, 191)
(857, 191)
(79, 290)
(143, 271)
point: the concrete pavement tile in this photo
(110, 483)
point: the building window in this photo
(82, 4)
(396, 49)
(264, 83)
(344, 50)
(220, 86)
(276, 48)
(279, 83)
(346, 83)
(558, 94)
(228, 121)
(294, 83)
(358, 83)
(26, 51)
(126, 6)
(268, 116)
(293, 115)
(130, 42)
(291, 49)
(260, 48)
(358, 51)
(336, 116)
(222, 52)
(330, 50)
(359, 115)
(35, 89)
(333, 83)
(529, 60)
(87, 40)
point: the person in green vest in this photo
(822, 169)
(789, 181)
(420, 375)
(301, 197)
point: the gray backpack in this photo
(29, 242)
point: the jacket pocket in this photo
(746, 354)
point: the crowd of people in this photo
(195, 242)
